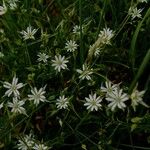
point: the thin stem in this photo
(140, 71)
(81, 36)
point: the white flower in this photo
(106, 35)
(43, 57)
(26, 142)
(16, 106)
(3, 9)
(71, 46)
(85, 72)
(29, 33)
(93, 102)
(142, 1)
(76, 29)
(12, 6)
(1, 55)
(109, 87)
(37, 95)
(59, 63)
(134, 12)
(137, 98)
(117, 99)
(13, 87)
(1, 105)
(62, 102)
(40, 147)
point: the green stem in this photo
(140, 71)
(133, 42)
(123, 24)
(27, 55)
(101, 16)
(81, 36)
(82, 120)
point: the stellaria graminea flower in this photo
(13, 87)
(62, 102)
(59, 63)
(42, 57)
(106, 35)
(85, 72)
(109, 87)
(26, 142)
(29, 33)
(40, 146)
(76, 29)
(137, 98)
(134, 12)
(93, 102)
(16, 106)
(3, 9)
(37, 95)
(12, 4)
(117, 99)
(71, 46)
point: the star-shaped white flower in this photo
(76, 29)
(93, 102)
(137, 98)
(106, 35)
(117, 99)
(3, 9)
(62, 102)
(134, 12)
(13, 87)
(13, 4)
(40, 146)
(42, 57)
(37, 95)
(59, 63)
(109, 87)
(26, 142)
(29, 33)
(85, 73)
(17, 106)
(71, 46)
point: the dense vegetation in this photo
(74, 74)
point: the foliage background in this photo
(119, 62)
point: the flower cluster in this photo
(64, 71)
(29, 142)
(17, 105)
